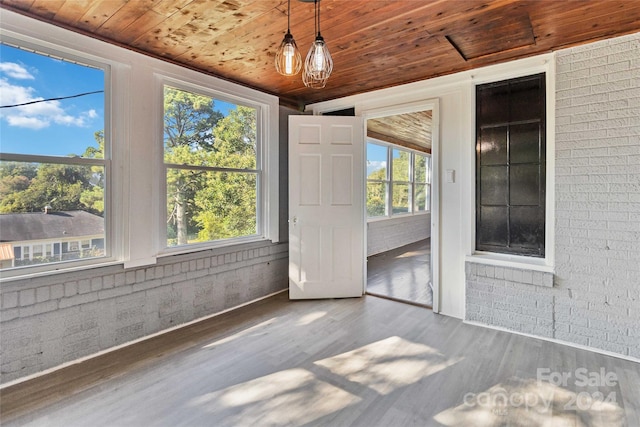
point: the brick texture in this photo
(47, 321)
(595, 299)
(393, 233)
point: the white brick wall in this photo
(50, 320)
(393, 233)
(595, 300)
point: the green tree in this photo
(29, 187)
(189, 120)
(376, 193)
(227, 201)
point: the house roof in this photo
(41, 226)
(374, 43)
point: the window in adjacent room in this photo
(398, 181)
(510, 166)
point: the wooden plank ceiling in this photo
(374, 43)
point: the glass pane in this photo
(376, 199)
(524, 185)
(493, 185)
(65, 127)
(421, 168)
(400, 159)
(400, 198)
(204, 205)
(376, 162)
(492, 103)
(492, 227)
(527, 230)
(493, 146)
(43, 204)
(421, 200)
(524, 143)
(202, 131)
(526, 99)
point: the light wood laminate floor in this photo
(403, 274)
(350, 362)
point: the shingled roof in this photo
(52, 225)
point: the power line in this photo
(52, 99)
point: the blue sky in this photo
(57, 128)
(376, 157)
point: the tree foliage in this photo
(30, 187)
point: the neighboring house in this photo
(35, 237)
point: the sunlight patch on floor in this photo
(243, 333)
(310, 318)
(387, 365)
(536, 403)
(290, 397)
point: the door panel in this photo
(326, 207)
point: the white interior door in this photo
(326, 207)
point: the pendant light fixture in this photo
(318, 65)
(288, 59)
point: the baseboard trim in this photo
(129, 343)
(555, 341)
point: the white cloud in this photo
(15, 71)
(35, 116)
(374, 165)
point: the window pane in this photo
(526, 99)
(376, 199)
(400, 198)
(492, 228)
(400, 169)
(526, 227)
(376, 162)
(66, 127)
(524, 183)
(43, 203)
(205, 205)
(493, 185)
(421, 201)
(493, 146)
(524, 143)
(212, 206)
(493, 102)
(420, 167)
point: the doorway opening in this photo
(399, 171)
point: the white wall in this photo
(386, 234)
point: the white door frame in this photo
(412, 107)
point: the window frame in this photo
(388, 181)
(261, 171)
(510, 164)
(111, 252)
(546, 65)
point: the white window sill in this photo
(396, 216)
(512, 261)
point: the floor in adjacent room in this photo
(402, 274)
(345, 362)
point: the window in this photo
(212, 168)
(510, 166)
(54, 155)
(400, 189)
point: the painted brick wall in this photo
(595, 298)
(50, 320)
(388, 234)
